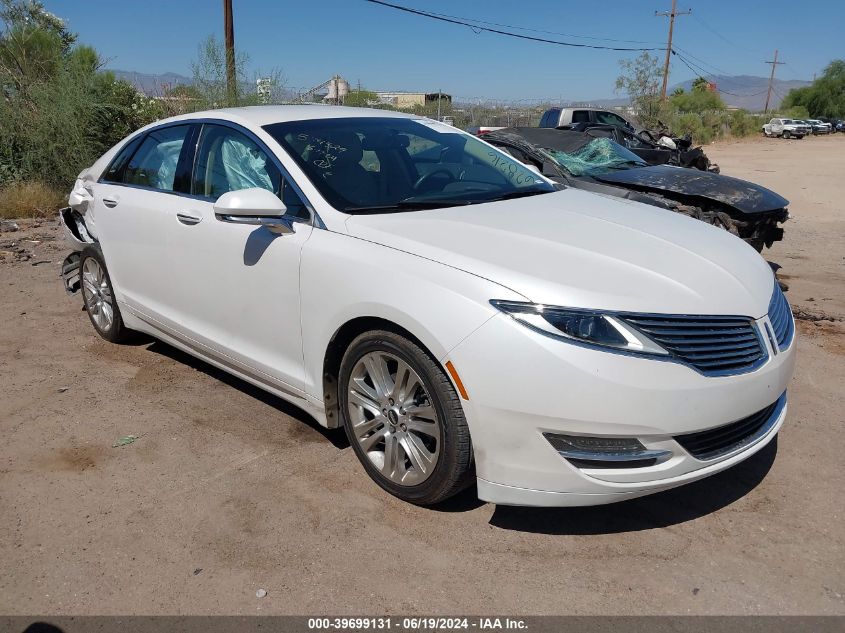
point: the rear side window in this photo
(581, 116)
(115, 171)
(154, 163)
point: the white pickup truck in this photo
(787, 128)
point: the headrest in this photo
(385, 140)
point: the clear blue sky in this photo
(309, 40)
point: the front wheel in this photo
(404, 419)
(787, 134)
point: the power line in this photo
(689, 64)
(698, 59)
(478, 29)
(720, 36)
(525, 28)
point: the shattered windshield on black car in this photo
(598, 156)
(391, 164)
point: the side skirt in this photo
(143, 323)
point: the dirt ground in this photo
(228, 490)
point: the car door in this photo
(235, 287)
(776, 126)
(134, 205)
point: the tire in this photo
(389, 445)
(98, 296)
(787, 134)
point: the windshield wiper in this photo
(518, 194)
(409, 205)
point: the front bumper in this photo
(522, 384)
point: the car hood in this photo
(742, 195)
(579, 249)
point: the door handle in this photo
(111, 203)
(187, 218)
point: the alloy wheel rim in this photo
(393, 418)
(97, 294)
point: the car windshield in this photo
(598, 156)
(389, 164)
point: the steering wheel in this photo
(426, 177)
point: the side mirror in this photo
(255, 206)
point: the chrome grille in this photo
(780, 316)
(714, 345)
(729, 438)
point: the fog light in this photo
(605, 452)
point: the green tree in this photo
(209, 78)
(361, 98)
(640, 80)
(700, 84)
(32, 13)
(699, 99)
(825, 97)
(58, 110)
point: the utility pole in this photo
(229, 29)
(439, 96)
(774, 64)
(671, 15)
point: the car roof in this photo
(265, 115)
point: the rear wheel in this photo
(98, 296)
(404, 419)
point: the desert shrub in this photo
(58, 111)
(30, 200)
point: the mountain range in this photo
(152, 84)
(741, 91)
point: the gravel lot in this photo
(229, 490)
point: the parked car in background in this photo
(601, 165)
(786, 128)
(462, 319)
(832, 122)
(567, 117)
(819, 127)
(840, 125)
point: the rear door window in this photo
(115, 171)
(154, 163)
(581, 116)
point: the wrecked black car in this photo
(601, 165)
(656, 147)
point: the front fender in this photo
(344, 278)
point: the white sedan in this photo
(463, 319)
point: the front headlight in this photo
(600, 329)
